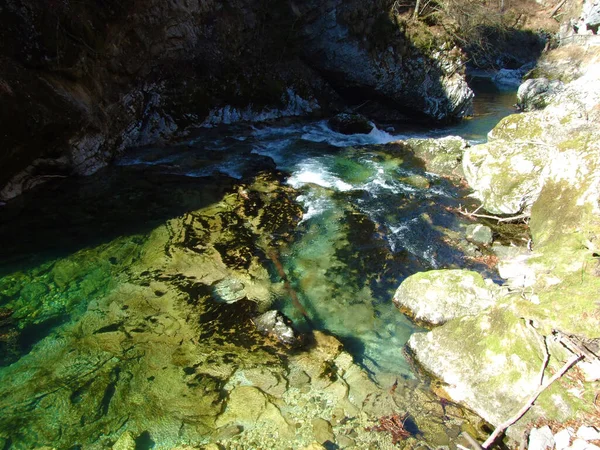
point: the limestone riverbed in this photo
(142, 330)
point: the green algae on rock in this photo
(441, 156)
(166, 354)
(546, 163)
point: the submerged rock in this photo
(230, 290)
(275, 324)
(437, 296)
(480, 234)
(350, 124)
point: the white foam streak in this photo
(400, 235)
(312, 173)
(320, 132)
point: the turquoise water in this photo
(107, 284)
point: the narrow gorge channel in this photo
(316, 225)
(142, 327)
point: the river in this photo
(365, 226)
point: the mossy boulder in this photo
(438, 296)
(536, 93)
(440, 156)
(524, 151)
(545, 163)
(492, 362)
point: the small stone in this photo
(343, 362)
(244, 407)
(227, 432)
(562, 439)
(314, 446)
(588, 433)
(541, 438)
(418, 181)
(125, 442)
(591, 370)
(298, 378)
(344, 441)
(230, 290)
(479, 234)
(322, 430)
(350, 124)
(276, 324)
(211, 446)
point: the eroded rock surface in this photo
(131, 341)
(79, 92)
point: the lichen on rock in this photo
(543, 163)
(438, 296)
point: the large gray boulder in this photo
(438, 296)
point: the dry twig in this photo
(503, 426)
(474, 214)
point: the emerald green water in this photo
(110, 316)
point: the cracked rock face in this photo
(429, 82)
(544, 162)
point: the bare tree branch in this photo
(503, 426)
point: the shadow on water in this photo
(60, 218)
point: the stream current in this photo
(365, 227)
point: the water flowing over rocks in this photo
(80, 91)
(350, 124)
(167, 338)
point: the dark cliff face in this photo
(82, 81)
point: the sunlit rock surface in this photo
(440, 295)
(545, 163)
(146, 340)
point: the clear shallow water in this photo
(365, 228)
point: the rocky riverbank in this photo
(495, 346)
(82, 81)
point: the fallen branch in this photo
(574, 347)
(472, 442)
(503, 426)
(555, 10)
(272, 254)
(474, 214)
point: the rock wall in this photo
(82, 81)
